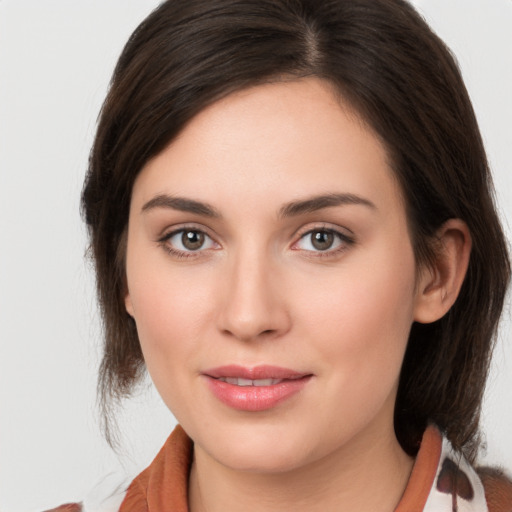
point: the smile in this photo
(254, 389)
(239, 381)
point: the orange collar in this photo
(163, 486)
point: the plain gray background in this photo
(56, 58)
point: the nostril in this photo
(249, 335)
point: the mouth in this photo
(239, 381)
(255, 389)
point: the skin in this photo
(258, 291)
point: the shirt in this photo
(441, 481)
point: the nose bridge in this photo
(252, 306)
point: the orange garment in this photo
(162, 487)
(441, 481)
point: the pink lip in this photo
(255, 398)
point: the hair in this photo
(384, 60)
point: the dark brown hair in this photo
(399, 76)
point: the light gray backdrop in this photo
(56, 58)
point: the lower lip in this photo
(256, 398)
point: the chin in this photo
(257, 460)
(264, 449)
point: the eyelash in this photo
(344, 242)
(182, 254)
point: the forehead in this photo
(272, 141)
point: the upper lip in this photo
(254, 373)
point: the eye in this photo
(188, 240)
(323, 240)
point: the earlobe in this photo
(439, 285)
(128, 304)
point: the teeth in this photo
(265, 382)
(238, 381)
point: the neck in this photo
(340, 481)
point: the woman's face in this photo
(272, 279)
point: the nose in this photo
(254, 305)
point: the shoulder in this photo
(498, 488)
(454, 483)
(106, 496)
(165, 480)
(68, 507)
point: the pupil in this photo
(192, 240)
(322, 240)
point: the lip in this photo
(254, 373)
(255, 398)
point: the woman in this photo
(292, 222)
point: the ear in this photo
(128, 304)
(439, 284)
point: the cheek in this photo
(360, 330)
(170, 309)
(361, 317)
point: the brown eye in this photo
(192, 240)
(187, 241)
(322, 240)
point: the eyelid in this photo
(172, 231)
(343, 231)
(190, 226)
(345, 235)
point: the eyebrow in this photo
(181, 204)
(315, 203)
(291, 209)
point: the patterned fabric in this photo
(69, 507)
(457, 486)
(441, 481)
(106, 496)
